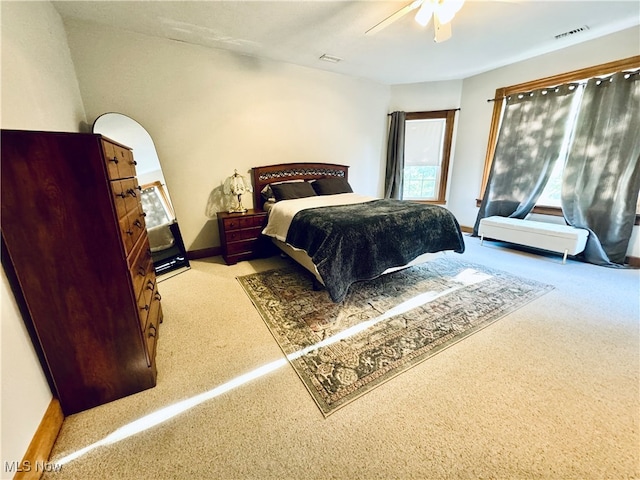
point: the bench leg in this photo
(564, 257)
(481, 239)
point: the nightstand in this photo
(240, 235)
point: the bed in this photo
(343, 237)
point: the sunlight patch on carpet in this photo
(384, 326)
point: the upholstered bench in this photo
(546, 236)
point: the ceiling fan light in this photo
(424, 14)
(447, 9)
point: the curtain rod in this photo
(577, 82)
(454, 109)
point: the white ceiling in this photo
(486, 34)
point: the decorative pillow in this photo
(331, 186)
(291, 190)
(267, 194)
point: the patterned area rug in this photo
(384, 326)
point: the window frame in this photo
(546, 82)
(449, 117)
(164, 199)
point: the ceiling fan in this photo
(442, 12)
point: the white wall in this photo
(39, 92)
(419, 97)
(475, 115)
(210, 112)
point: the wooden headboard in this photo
(283, 172)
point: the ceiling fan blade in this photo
(392, 18)
(442, 31)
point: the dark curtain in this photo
(529, 143)
(602, 174)
(395, 156)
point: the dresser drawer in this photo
(127, 234)
(119, 160)
(140, 264)
(125, 195)
(151, 331)
(243, 234)
(130, 190)
(248, 246)
(136, 223)
(111, 159)
(148, 295)
(244, 222)
(127, 166)
(234, 258)
(119, 197)
(141, 248)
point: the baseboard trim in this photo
(204, 253)
(42, 443)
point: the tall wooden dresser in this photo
(76, 249)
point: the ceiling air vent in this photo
(330, 58)
(584, 28)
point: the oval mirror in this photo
(167, 248)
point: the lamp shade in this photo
(236, 185)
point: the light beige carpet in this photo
(548, 392)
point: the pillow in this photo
(267, 193)
(291, 190)
(331, 186)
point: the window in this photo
(549, 201)
(427, 148)
(156, 205)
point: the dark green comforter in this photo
(348, 243)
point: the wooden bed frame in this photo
(283, 172)
(263, 176)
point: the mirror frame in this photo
(173, 257)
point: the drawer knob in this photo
(146, 307)
(132, 192)
(121, 195)
(158, 296)
(129, 232)
(150, 285)
(114, 160)
(142, 271)
(138, 223)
